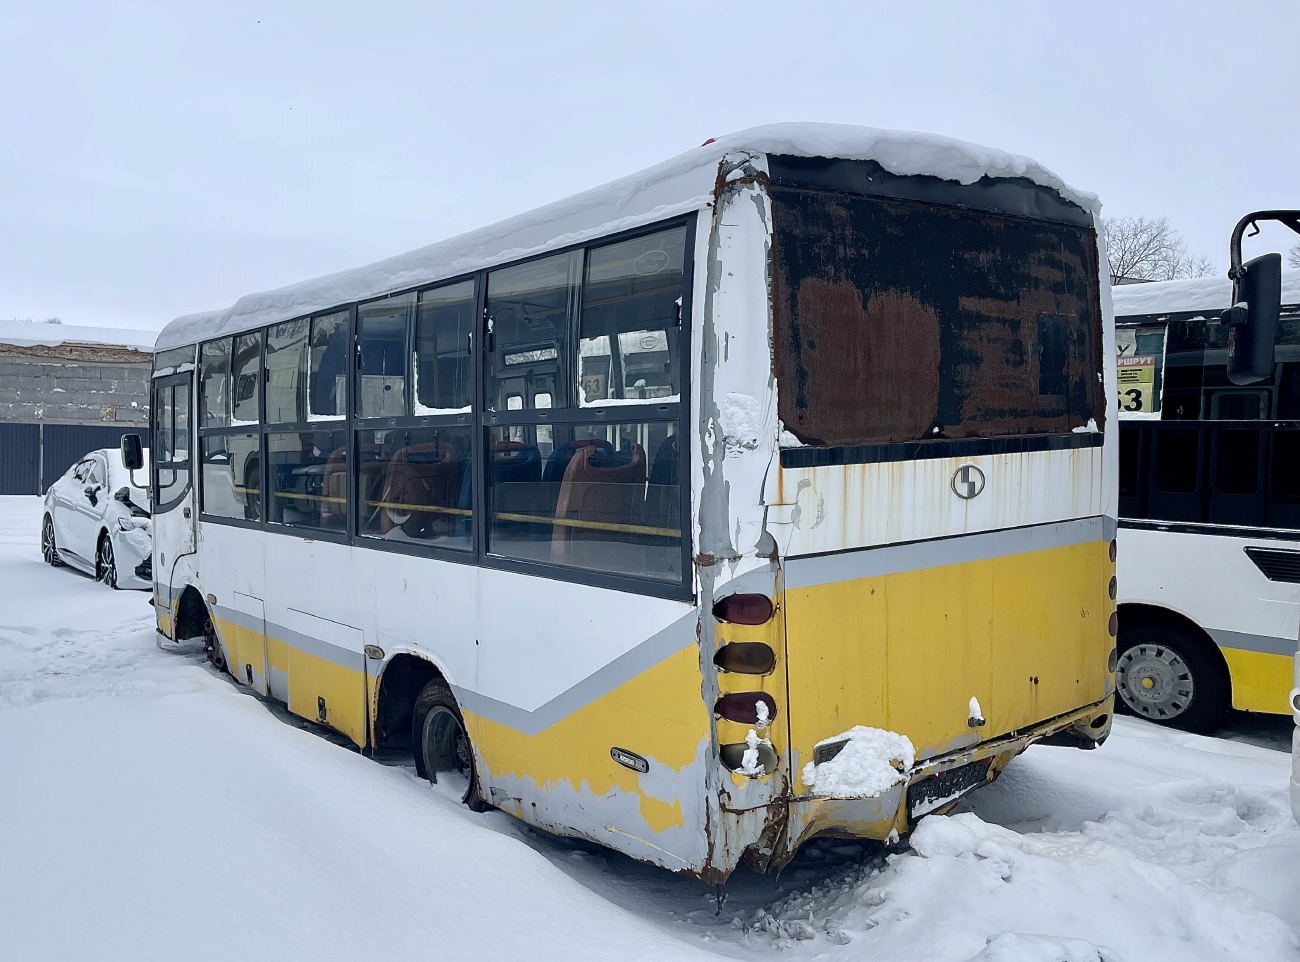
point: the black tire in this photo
(49, 550)
(105, 562)
(212, 646)
(441, 742)
(1172, 677)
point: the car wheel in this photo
(49, 550)
(1168, 676)
(443, 753)
(106, 563)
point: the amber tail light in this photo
(744, 609)
(743, 707)
(745, 658)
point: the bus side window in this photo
(1284, 482)
(1288, 392)
(246, 372)
(1177, 461)
(530, 307)
(382, 356)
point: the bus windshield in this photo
(898, 320)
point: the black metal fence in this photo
(34, 456)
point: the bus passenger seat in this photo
(421, 475)
(334, 491)
(663, 500)
(604, 487)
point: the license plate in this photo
(945, 788)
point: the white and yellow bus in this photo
(764, 494)
(1209, 500)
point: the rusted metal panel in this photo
(896, 321)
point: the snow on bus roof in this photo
(678, 186)
(1177, 297)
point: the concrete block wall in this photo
(81, 391)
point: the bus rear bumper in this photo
(936, 784)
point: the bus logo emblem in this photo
(967, 482)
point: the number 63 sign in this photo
(1137, 382)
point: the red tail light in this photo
(743, 707)
(744, 609)
(1113, 625)
(1114, 550)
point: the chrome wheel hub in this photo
(1155, 681)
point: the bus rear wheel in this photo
(443, 752)
(1167, 676)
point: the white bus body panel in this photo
(1209, 579)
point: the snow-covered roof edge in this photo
(40, 334)
(1200, 294)
(677, 186)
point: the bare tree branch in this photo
(1139, 248)
(1293, 257)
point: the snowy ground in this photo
(149, 809)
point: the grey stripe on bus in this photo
(1109, 527)
(324, 650)
(1265, 644)
(661, 645)
(808, 572)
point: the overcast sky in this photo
(157, 160)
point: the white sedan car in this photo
(96, 519)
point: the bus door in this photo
(175, 513)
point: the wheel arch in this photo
(192, 614)
(399, 683)
(1141, 615)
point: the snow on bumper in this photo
(934, 784)
(132, 547)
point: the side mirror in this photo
(122, 494)
(133, 448)
(1252, 320)
(92, 494)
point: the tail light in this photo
(1113, 624)
(745, 658)
(746, 707)
(744, 609)
(1114, 586)
(733, 756)
(1114, 550)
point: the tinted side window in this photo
(602, 497)
(172, 459)
(1237, 462)
(1177, 461)
(530, 309)
(415, 485)
(381, 356)
(631, 303)
(308, 479)
(231, 476)
(1130, 446)
(327, 367)
(214, 384)
(286, 363)
(444, 375)
(246, 374)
